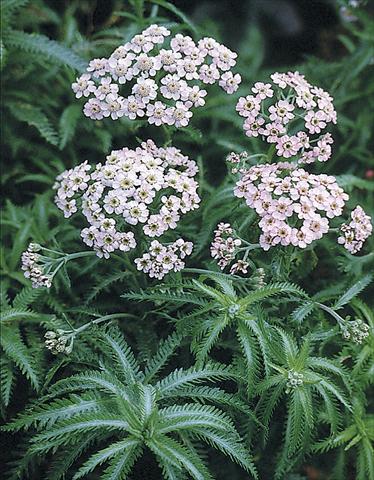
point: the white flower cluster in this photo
(34, 265)
(355, 330)
(294, 380)
(150, 186)
(162, 259)
(357, 231)
(160, 84)
(282, 111)
(294, 206)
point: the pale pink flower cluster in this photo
(291, 114)
(354, 234)
(225, 247)
(150, 186)
(294, 206)
(33, 265)
(162, 259)
(158, 82)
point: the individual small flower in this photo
(168, 60)
(157, 113)
(133, 107)
(262, 90)
(315, 121)
(253, 125)
(105, 88)
(83, 86)
(145, 89)
(230, 82)
(209, 74)
(194, 96)
(223, 57)
(248, 106)
(94, 109)
(113, 106)
(179, 115)
(172, 87)
(187, 68)
(119, 68)
(98, 67)
(281, 112)
(354, 234)
(288, 146)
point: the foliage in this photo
(203, 375)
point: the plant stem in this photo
(102, 319)
(332, 312)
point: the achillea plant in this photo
(217, 323)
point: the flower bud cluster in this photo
(225, 246)
(162, 259)
(354, 234)
(291, 114)
(294, 206)
(356, 330)
(237, 162)
(57, 342)
(34, 266)
(159, 81)
(294, 380)
(258, 278)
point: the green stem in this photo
(102, 319)
(332, 312)
(72, 256)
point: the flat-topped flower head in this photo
(150, 73)
(148, 187)
(294, 206)
(292, 114)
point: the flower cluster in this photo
(294, 206)
(291, 114)
(357, 231)
(158, 82)
(162, 259)
(225, 245)
(150, 187)
(34, 266)
(294, 380)
(356, 330)
(57, 342)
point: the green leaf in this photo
(353, 292)
(68, 124)
(123, 447)
(35, 117)
(48, 49)
(17, 351)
